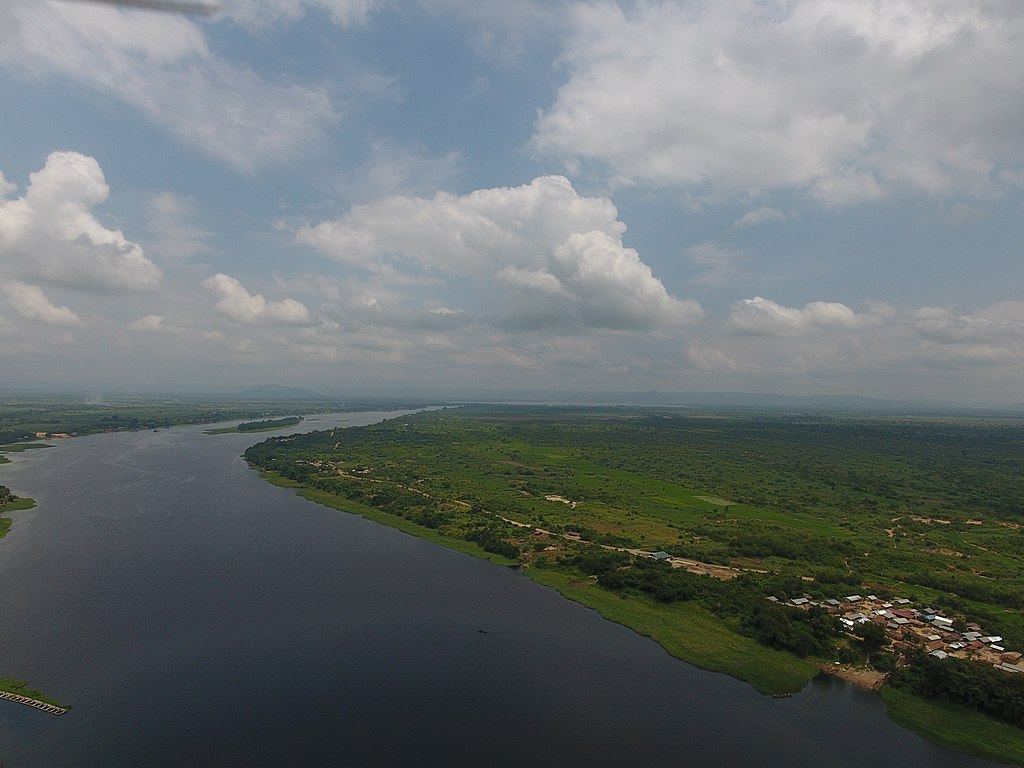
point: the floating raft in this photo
(53, 709)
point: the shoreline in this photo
(865, 679)
(781, 677)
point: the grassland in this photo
(955, 726)
(823, 505)
(688, 632)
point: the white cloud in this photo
(6, 187)
(162, 66)
(51, 232)
(260, 13)
(175, 237)
(550, 255)
(152, 324)
(758, 216)
(888, 350)
(718, 262)
(997, 322)
(31, 303)
(235, 302)
(504, 32)
(848, 101)
(764, 317)
(393, 168)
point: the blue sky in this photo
(809, 196)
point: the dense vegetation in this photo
(932, 505)
(976, 685)
(793, 504)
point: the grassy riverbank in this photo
(686, 631)
(955, 726)
(17, 505)
(690, 633)
(392, 521)
(750, 507)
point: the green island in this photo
(266, 425)
(770, 546)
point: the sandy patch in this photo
(868, 679)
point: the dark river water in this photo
(194, 615)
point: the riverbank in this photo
(955, 727)
(692, 634)
(18, 505)
(685, 630)
(384, 518)
(689, 633)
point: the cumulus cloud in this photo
(765, 317)
(884, 350)
(848, 101)
(31, 303)
(52, 233)
(549, 254)
(235, 302)
(161, 65)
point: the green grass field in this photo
(690, 633)
(955, 726)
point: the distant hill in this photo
(275, 392)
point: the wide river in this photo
(196, 616)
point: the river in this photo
(194, 615)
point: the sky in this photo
(775, 196)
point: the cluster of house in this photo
(908, 627)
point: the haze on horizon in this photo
(810, 196)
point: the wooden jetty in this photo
(53, 709)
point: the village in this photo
(909, 628)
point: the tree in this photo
(872, 636)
